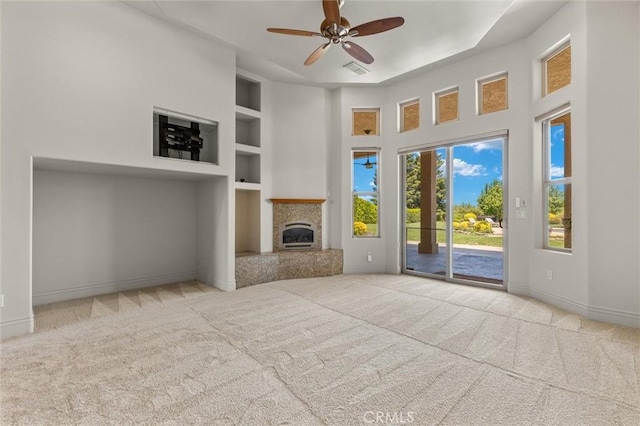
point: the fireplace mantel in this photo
(298, 200)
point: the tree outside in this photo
(490, 200)
(413, 184)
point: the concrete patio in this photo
(481, 263)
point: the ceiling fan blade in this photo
(357, 52)
(375, 27)
(331, 11)
(288, 31)
(317, 53)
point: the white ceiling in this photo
(433, 31)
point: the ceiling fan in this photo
(367, 164)
(336, 29)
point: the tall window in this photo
(492, 94)
(557, 181)
(556, 69)
(365, 192)
(409, 115)
(366, 121)
(446, 105)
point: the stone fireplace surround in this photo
(291, 210)
(256, 268)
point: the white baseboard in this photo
(98, 289)
(364, 269)
(595, 313)
(217, 283)
(16, 327)
(518, 289)
(615, 316)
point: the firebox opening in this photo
(297, 235)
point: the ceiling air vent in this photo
(355, 68)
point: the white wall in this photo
(95, 234)
(568, 288)
(79, 82)
(613, 143)
(300, 145)
(299, 141)
(214, 236)
(357, 249)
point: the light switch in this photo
(517, 202)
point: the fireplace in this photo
(297, 224)
(297, 235)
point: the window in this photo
(492, 94)
(366, 121)
(557, 182)
(365, 192)
(409, 115)
(556, 69)
(446, 106)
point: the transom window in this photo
(409, 115)
(446, 106)
(366, 195)
(556, 69)
(492, 94)
(366, 121)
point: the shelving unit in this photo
(248, 93)
(248, 129)
(248, 152)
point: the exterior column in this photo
(428, 205)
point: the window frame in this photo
(491, 79)
(402, 106)
(355, 193)
(436, 105)
(548, 180)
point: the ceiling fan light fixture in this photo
(356, 68)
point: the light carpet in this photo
(342, 350)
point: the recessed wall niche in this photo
(184, 137)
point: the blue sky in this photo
(475, 165)
(363, 177)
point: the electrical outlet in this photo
(369, 257)
(549, 274)
(1, 300)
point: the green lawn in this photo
(413, 234)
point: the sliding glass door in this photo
(454, 203)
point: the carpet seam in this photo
(244, 351)
(503, 315)
(509, 372)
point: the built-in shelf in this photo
(242, 149)
(247, 114)
(247, 167)
(247, 130)
(247, 186)
(247, 220)
(248, 92)
(248, 150)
